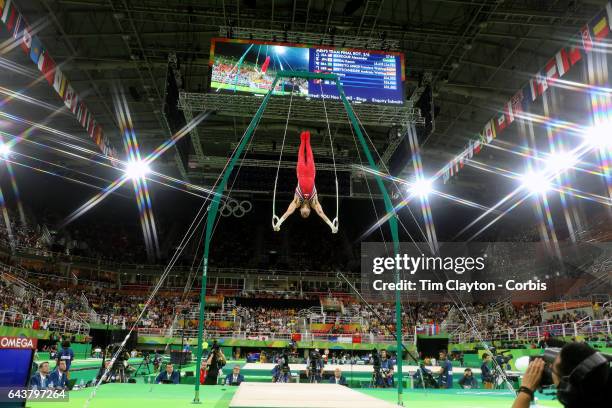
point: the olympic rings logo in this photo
(236, 208)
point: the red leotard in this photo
(305, 169)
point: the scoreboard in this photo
(249, 67)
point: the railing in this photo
(222, 334)
(574, 329)
(63, 325)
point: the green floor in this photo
(176, 396)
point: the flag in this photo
(19, 24)
(59, 82)
(489, 131)
(445, 175)
(4, 8)
(470, 150)
(47, 67)
(563, 64)
(477, 146)
(609, 14)
(574, 55)
(357, 338)
(516, 105)
(601, 28)
(26, 40)
(451, 169)
(587, 41)
(10, 22)
(35, 50)
(501, 122)
(551, 69)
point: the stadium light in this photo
(536, 183)
(421, 187)
(137, 169)
(558, 162)
(5, 149)
(280, 50)
(600, 136)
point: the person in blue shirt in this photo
(41, 380)
(445, 377)
(486, 374)
(66, 354)
(386, 369)
(468, 380)
(58, 377)
(168, 375)
(235, 378)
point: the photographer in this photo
(314, 367)
(580, 374)
(214, 364)
(445, 374)
(383, 369)
(468, 380)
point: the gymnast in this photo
(305, 197)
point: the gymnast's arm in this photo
(292, 207)
(319, 210)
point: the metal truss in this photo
(309, 38)
(305, 110)
(220, 162)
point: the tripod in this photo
(145, 361)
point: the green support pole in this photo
(394, 234)
(210, 220)
(214, 207)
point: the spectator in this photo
(168, 376)
(58, 377)
(41, 380)
(468, 380)
(338, 378)
(235, 378)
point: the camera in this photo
(549, 356)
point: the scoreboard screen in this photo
(249, 67)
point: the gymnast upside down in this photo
(305, 197)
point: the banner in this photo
(20, 30)
(589, 36)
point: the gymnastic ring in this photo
(226, 211)
(239, 212)
(248, 207)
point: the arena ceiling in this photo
(477, 54)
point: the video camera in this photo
(549, 356)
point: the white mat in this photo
(269, 395)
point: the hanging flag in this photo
(601, 28)
(609, 15)
(26, 40)
(477, 146)
(35, 50)
(489, 131)
(48, 68)
(574, 55)
(587, 42)
(501, 122)
(562, 62)
(470, 150)
(5, 6)
(10, 22)
(264, 66)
